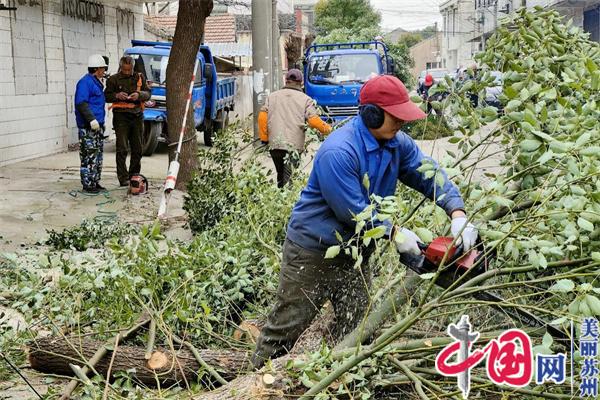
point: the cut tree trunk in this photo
(186, 42)
(54, 354)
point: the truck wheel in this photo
(150, 137)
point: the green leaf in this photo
(596, 256)
(332, 252)
(590, 151)
(549, 94)
(547, 340)
(376, 232)
(563, 286)
(530, 145)
(427, 276)
(366, 183)
(585, 224)
(425, 234)
(543, 136)
(516, 116)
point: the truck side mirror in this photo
(391, 65)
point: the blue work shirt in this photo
(89, 90)
(335, 192)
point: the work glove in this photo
(407, 242)
(468, 236)
(95, 125)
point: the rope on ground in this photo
(102, 215)
(183, 141)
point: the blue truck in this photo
(212, 98)
(334, 74)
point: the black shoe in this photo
(123, 184)
(93, 190)
(100, 188)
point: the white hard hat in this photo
(96, 61)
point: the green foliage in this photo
(409, 39)
(210, 192)
(430, 128)
(89, 234)
(403, 62)
(354, 14)
(345, 34)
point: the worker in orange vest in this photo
(127, 91)
(281, 123)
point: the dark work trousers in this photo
(129, 129)
(91, 145)
(285, 163)
(306, 281)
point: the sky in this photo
(408, 14)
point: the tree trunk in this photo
(186, 42)
(54, 354)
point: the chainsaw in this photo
(458, 263)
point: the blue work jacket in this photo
(335, 190)
(89, 90)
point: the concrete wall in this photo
(426, 51)
(43, 53)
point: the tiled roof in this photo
(218, 28)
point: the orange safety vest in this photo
(122, 104)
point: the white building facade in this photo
(457, 30)
(44, 47)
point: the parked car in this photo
(492, 93)
(437, 73)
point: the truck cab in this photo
(334, 74)
(212, 98)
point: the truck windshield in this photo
(341, 68)
(154, 67)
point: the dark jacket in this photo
(128, 84)
(89, 101)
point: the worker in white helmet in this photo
(90, 113)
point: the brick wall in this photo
(43, 54)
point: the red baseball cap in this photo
(389, 93)
(428, 80)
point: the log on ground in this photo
(54, 354)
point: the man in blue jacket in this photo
(90, 113)
(370, 144)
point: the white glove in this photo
(469, 234)
(95, 125)
(406, 242)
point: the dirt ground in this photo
(45, 193)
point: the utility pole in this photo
(262, 55)
(276, 49)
